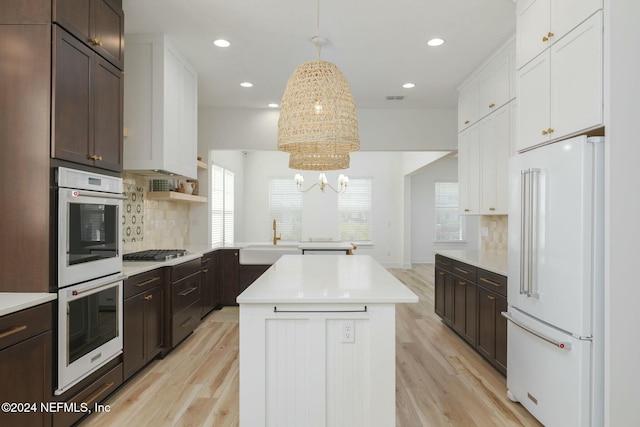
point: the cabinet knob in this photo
(544, 132)
(96, 42)
(547, 37)
(549, 130)
(441, 273)
(466, 210)
(148, 298)
(492, 209)
(95, 157)
(461, 283)
(492, 105)
(491, 298)
(466, 122)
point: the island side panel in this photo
(296, 369)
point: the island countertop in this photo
(328, 279)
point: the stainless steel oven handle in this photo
(563, 345)
(101, 195)
(100, 284)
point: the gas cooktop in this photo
(154, 255)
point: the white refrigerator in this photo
(555, 289)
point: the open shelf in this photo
(173, 195)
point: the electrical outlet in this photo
(348, 331)
(484, 231)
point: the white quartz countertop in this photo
(495, 262)
(10, 302)
(330, 279)
(325, 246)
(131, 268)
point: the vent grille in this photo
(394, 97)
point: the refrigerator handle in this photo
(563, 345)
(523, 226)
(533, 228)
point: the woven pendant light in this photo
(317, 115)
(318, 162)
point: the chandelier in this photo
(318, 125)
(343, 181)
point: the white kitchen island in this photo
(317, 343)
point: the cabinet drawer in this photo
(143, 282)
(94, 393)
(444, 263)
(25, 324)
(184, 322)
(185, 292)
(466, 271)
(185, 269)
(492, 281)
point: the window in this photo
(285, 206)
(354, 211)
(221, 206)
(449, 223)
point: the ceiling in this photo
(377, 44)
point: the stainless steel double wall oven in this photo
(89, 273)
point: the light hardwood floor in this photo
(440, 380)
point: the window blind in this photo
(285, 206)
(355, 211)
(222, 206)
(449, 223)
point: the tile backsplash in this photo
(497, 227)
(151, 224)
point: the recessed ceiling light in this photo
(273, 105)
(246, 84)
(409, 85)
(221, 43)
(435, 42)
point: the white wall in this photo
(423, 211)
(622, 293)
(380, 129)
(320, 209)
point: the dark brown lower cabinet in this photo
(248, 274)
(185, 306)
(470, 300)
(228, 267)
(143, 320)
(209, 295)
(25, 365)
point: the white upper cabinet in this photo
(541, 23)
(489, 88)
(494, 161)
(495, 84)
(160, 108)
(469, 171)
(468, 105)
(560, 92)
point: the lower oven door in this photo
(89, 329)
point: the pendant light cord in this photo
(318, 42)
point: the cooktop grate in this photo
(155, 255)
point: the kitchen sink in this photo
(267, 254)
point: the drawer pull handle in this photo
(146, 282)
(441, 273)
(187, 323)
(490, 282)
(188, 291)
(563, 345)
(492, 209)
(99, 393)
(466, 210)
(12, 331)
(462, 270)
(206, 270)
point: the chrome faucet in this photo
(275, 239)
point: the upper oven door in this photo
(89, 236)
